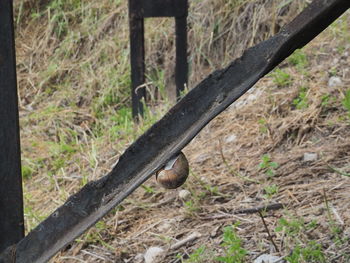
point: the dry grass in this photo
(73, 73)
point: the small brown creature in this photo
(174, 173)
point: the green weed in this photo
(291, 228)
(232, 244)
(84, 179)
(60, 16)
(325, 100)
(311, 253)
(267, 165)
(32, 217)
(333, 72)
(270, 190)
(122, 124)
(338, 171)
(191, 206)
(207, 187)
(303, 249)
(263, 126)
(200, 255)
(346, 102)
(233, 252)
(157, 78)
(298, 59)
(148, 189)
(281, 78)
(26, 172)
(301, 102)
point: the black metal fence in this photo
(164, 139)
(11, 202)
(138, 11)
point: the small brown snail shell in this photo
(174, 173)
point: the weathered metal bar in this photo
(169, 135)
(138, 10)
(181, 65)
(159, 8)
(11, 200)
(137, 59)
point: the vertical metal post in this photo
(137, 59)
(138, 10)
(11, 199)
(181, 66)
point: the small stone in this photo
(230, 138)
(214, 232)
(266, 258)
(153, 254)
(205, 179)
(29, 108)
(335, 62)
(334, 82)
(166, 225)
(310, 157)
(184, 194)
(138, 258)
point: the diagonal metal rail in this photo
(169, 135)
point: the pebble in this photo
(335, 61)
(266, 258)
(138, 258)
(334, 82)
(153, 254)
(310, 157)
(205, 179)
(184, 194)
(230, 138)
(166, 225)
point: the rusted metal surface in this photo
(11, 203)
(138, 10)
(169, 135)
